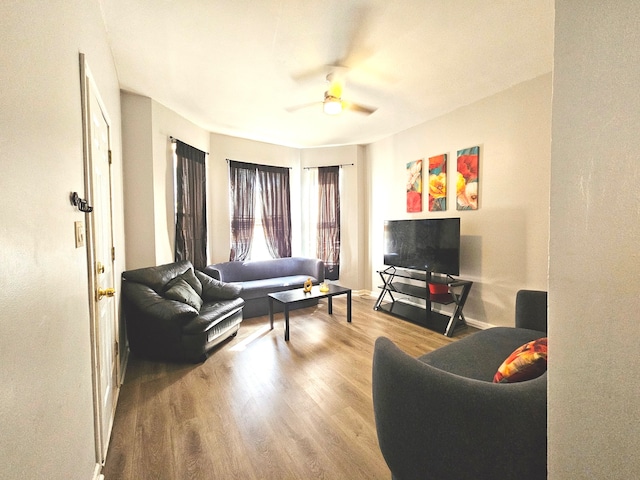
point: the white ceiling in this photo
(234, 66)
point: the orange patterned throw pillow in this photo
(525, 363)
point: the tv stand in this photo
(407, 284)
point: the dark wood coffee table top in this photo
(299, 295)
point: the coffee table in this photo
(289, 297)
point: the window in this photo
(260, 210)
(323, 218)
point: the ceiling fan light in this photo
(332, 106)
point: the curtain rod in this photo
(174, 140)
(257, 164)
(341, 165)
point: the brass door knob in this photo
(106, 292)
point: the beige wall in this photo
(504, 244)
(46, 413)
(594, 385)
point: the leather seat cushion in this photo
(212, 313)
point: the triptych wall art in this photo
(466, 182)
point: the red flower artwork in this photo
(467, 179)
(468, 166)
(414, 201)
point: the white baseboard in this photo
(97, 475)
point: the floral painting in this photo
(414, 186)
(467, 180)
(438, 183)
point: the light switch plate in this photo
(79, 227)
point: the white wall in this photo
(148, 172)
(137, 153)
(594, 274)
(504, 244)
(46, 412)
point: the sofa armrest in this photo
(429, 420)
(531, 310)
(213, 289)
(312, 267)
(213, 271)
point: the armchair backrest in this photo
(531, 310)
(157, 277)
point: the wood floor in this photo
(263, 408)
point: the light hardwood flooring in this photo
(263, 408)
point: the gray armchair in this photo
(440, 416)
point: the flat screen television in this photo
(430, 245)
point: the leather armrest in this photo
(213, 289)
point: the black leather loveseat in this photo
(175, 313)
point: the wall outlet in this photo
(79, 227)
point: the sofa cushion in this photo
(190, 277)
(525, 363)
(260, 288)
(178, 289)
(478, 356)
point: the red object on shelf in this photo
(438, 288)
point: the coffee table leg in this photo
(349, 306)
(286, 322)
(271, 312)
(330, 302)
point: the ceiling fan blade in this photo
(295, 108)
(355, 107)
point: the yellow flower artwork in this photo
(438, 183)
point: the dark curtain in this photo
(191, 209)
(328, 246)
(276, 209)
(242, 181)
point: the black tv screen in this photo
(430, 245)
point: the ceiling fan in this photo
(333, 103)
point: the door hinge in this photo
(113, 254)
(110, 158)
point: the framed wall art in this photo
(438, 183)
(467, 179)
(414, 186)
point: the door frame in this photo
(101, 437)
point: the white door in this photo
(101, 256)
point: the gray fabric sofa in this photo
(440, 416)
(167, 320)
(261, 277)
